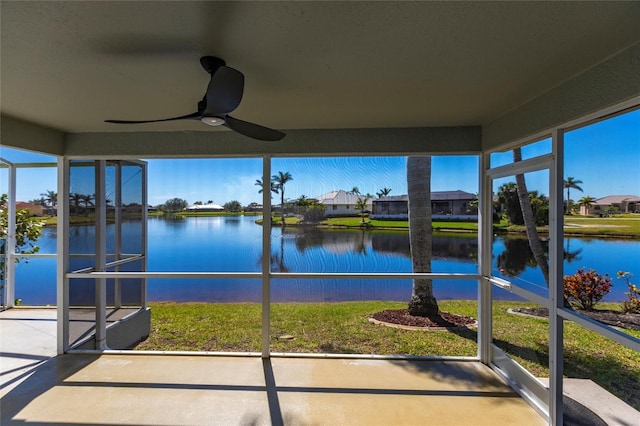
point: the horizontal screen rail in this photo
(107, 255)
(525, 166)
(258, 275)
(624, 339)
(382, 276)
(518, 291)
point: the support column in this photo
(556, 285)
(10, 249)
(266, 256)
(485, 225)
(62, 266)
(100, 259)
(117, 290)
(144, 205)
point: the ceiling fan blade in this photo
(254, 131)
(224, 92)
(195, 115)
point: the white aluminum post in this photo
(10, 249)
(62, 259)
(144, 204)
(100, 256)
(117, 290)
(485, 288)
(556, 286)
(266, 256)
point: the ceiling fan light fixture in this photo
(212, 121)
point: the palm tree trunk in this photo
(530, 221)
(530, 226)
(282, 206)
(422, 303)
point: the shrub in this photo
(315, 213)
(586, 288)
(633, 304)
(232, 206)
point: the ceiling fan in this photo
(223, 96)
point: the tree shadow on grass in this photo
(620, 379)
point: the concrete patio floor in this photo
(37, 387)
(176, 390)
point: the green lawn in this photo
(625, 226)
(344, 328)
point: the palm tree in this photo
(383, 192)
(87, 200)
(422, 303)
(280, 180)
(303, 201)
(361, 204)
(75, 199)
(261, 185)
(586, 201)
(569, 183)
(51, 198)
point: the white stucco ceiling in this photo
(307, 65)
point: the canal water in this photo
(234, 244)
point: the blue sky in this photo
(604, 156)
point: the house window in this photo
(335, 207)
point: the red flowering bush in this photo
(586, 288)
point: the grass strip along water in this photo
(344, 328)
(621, 226)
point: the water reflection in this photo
(517, 256)
(462, 248)
(235, 245)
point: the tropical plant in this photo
(383, 192)
(586, 201)
(39, 202)
(88, 200)
(509, 199)
(571, 183)
(27, 232)
(539, 207)
(233, 206)
(50, 199)
(361, 204)
(261, 185)
(586, 288)
(280, 180)
(303, 201)
(633, 295)
(75, 200)
(422, 302)
(509, 202)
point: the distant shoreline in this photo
(620, 227)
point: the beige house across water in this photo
(623, 203)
